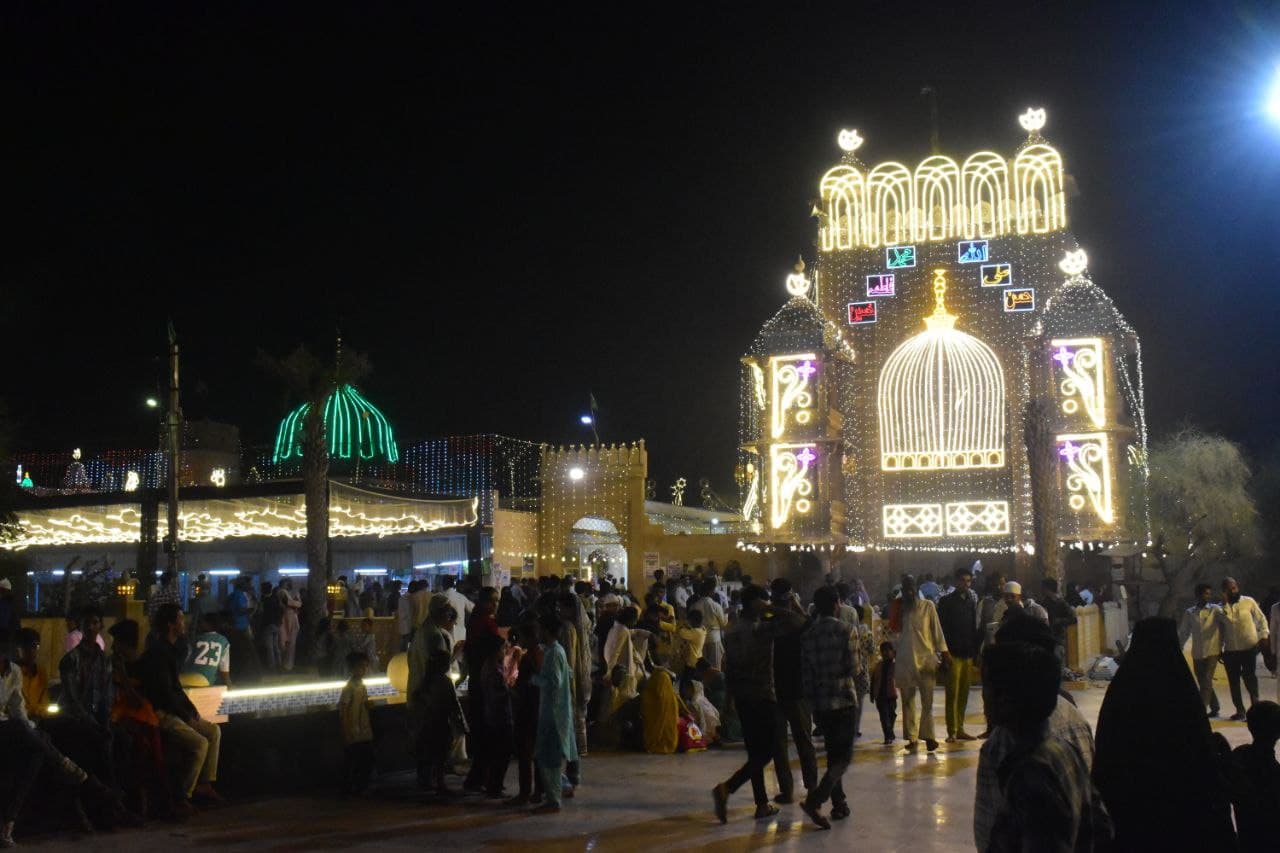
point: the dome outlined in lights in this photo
(941, 398)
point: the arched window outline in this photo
(1037, 177)
(937, 197)
(842, 191)
(986, 181)
(889, 188)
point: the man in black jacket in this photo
(958, 613)
(195, 740)
(1061, 616)
(791, 703)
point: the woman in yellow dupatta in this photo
(660, 709)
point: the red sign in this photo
(861, 313)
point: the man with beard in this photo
(921, 645)
(1244, 634)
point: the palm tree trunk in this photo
(1042, 460)
(315, 485)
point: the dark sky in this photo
(506, 210)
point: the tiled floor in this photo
(628, 802)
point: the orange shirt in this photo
(35, 691)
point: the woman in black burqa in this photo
(1156, 767)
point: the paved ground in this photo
(628, 802)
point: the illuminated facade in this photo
(927, 452)
(789, 461)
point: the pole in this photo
(935, 144)
(173, 423)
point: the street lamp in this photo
(153, 403)
(586, 420)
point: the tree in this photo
(311, 381)
(1204, 522)
(1046, 501)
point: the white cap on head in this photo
(5, 583)
(1013, 587)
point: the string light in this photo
(356, 429)
(941, 398)
(1005, 217)
(942, 200)
(352, 512)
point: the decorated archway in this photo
(595, 548)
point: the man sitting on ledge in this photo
(194, 740)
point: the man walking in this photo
(748, 669)
(828, 661)
(789, 689)
(1202, 622)
(958, 614)
(1245, 633)
(920, 647)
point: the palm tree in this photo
(1042, 461)
(312, 381)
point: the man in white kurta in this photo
(920, 648)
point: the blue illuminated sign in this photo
(973, 251)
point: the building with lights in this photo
(885, 408)
(486, 505)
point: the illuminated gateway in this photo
(950, 326)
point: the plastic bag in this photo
(1103, 668)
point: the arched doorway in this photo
(595, 549)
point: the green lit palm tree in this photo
(312, 381)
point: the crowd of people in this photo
(123, 741)
(544, 670)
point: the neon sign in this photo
(1019, 299)
(881, 285)
(973, 251)
(900, 257)
(862, 313)
(997, 275)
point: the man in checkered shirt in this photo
(828, 661)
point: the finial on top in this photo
(1074, 263)
(940, 319)
(849, 140)
(797, 284)
(1032, 120)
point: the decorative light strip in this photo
(943, 201)
(790, 390)
(355, 428)
(310, 687)
(978, 518)
(1088, 473)
(912, 521)
(789, 483)
(1081, 363)
(941, 398)
(352, 512)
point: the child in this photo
(690, 639)
(357, 733)
(884, 691)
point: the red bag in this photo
(691, 737)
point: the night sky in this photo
(507, 213)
